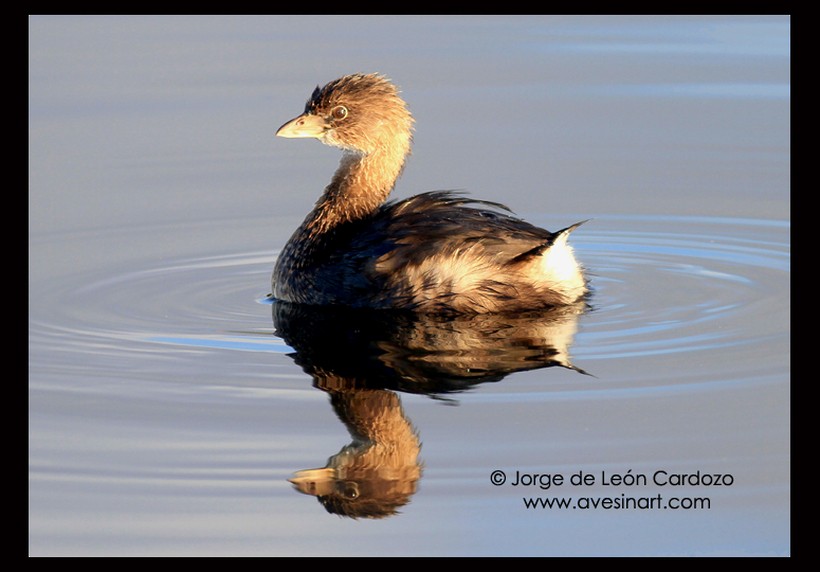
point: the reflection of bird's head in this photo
(377, 473)
(358, 491)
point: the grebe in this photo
(434, 252)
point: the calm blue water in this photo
(170, 402)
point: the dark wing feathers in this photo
(430, 220)
(364, 256)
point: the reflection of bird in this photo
(424, 353)
(435, 252)
(375, 474)
(362, 357)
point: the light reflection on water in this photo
(642, 306)
(727, 261)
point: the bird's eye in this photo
(349, 490)
(339, 112)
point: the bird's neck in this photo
(360, 185)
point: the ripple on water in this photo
(662, 286)
(684, 285)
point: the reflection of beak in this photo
(316, 482)
(305, 125)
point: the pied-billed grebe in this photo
(434, 252)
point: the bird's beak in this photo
(305, 125)
(317, 482)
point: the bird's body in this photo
(434, 252)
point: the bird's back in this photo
(437, 251)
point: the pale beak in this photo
(317, 482)
(305, 125)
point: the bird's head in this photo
(360, 112)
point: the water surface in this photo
(170, 401)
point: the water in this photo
(170, 402)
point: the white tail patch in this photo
(560, 270)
